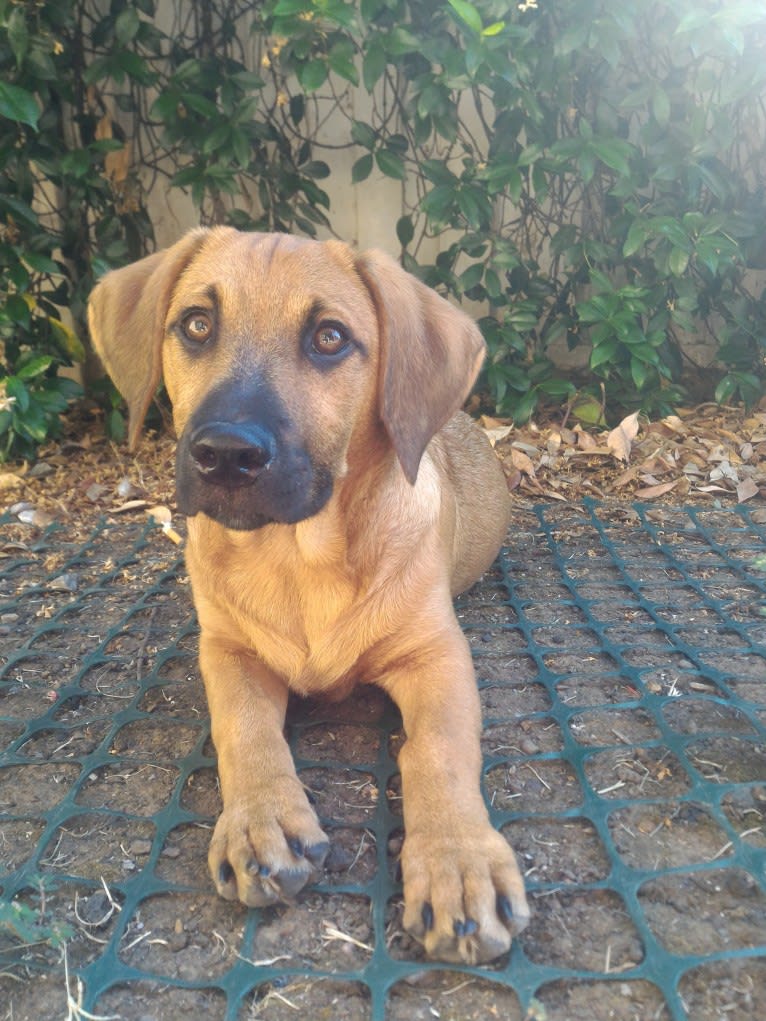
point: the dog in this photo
(337, 499)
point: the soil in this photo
(621, 661)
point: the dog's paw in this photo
(262, 852)
(463, 897)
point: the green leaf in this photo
(344, 67)
(390, 164)
(363, 134)
(16, 104)
(639, 373)
(18, 34)
(603, 353)
(405, 231)
(522, 409)
(127, 25)
(16, 389)
(362, 169)
(374, 63)
(661, 106)
(313, 75)
(67, 339)
(35, 367)
(613, 152)
(678, 261)
(725, 388)
(472, 276)
(19, 210)
(587, 408)
(467, 14)
(438, 203)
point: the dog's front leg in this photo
(267, 842)
(463, 893)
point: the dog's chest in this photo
(299, 613)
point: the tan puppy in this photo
(337, 499)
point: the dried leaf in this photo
(500, 433)
(129, 505)
(724, 471)
(553, 444)
(514, 480)
(161, 514)
(627, 476)
(746, 490)
(163, 517)
(652, 492)
(38, 518)
(620, 439)
(522, 462)
(584, 440)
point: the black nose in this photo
(231, 454)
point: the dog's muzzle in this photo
(243, 461)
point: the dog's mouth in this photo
(238, 475)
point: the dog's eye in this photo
(329, 339)
(197, 327)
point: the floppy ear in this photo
(431, 353)
(126, 318)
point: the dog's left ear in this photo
(126, 316)
(431, 353)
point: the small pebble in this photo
(67, 582)
(126, 489)
(528, 746)
(178, 941)
(140, 847)
(94, 909)
(95, 491)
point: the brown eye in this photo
(197, 327)
(329, 339)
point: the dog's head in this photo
(288, 363)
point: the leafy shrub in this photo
(594, 173)
(599, 171)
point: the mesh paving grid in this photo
(621, 657)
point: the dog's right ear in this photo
(126, 318)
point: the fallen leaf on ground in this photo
(620, 439)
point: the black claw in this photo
(427, 914)
(296, 846)
(317, 853)
(504, 909)
(255, 869)
(225, 873)
(465, 928)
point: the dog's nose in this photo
(231, 454)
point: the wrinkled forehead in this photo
(274, 280)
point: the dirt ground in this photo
(621, 658)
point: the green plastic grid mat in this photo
(621, 656)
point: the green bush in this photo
(599, 168)
(595, 172)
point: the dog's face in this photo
(270, 358)
(289, 364)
